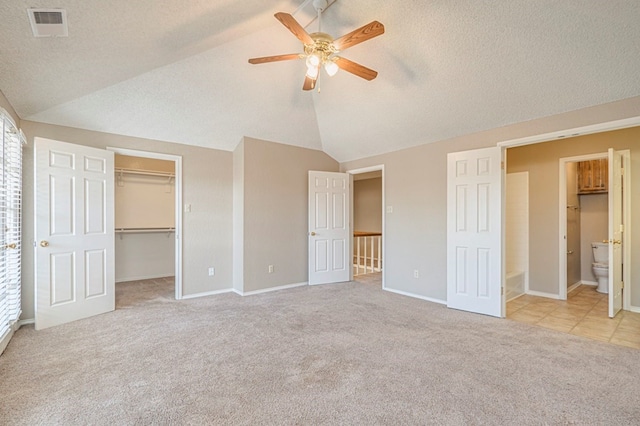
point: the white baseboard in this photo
(591, 283)
(206, 293)
(574, 286)
(145, 277)
(543, 294)
(270, 289)
(634, 309)
(26, 322)
(416, 296)
(515, 297)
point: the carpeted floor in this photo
(334, 354)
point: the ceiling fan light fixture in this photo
(331, 68)
(313, 61)
(312, 72)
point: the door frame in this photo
(626, 218)
(562, 216)
(379, 167)
(177, 159)
(606, 126)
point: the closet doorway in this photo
(148, 222)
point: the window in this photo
(10, 225)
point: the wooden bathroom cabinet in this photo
(593, 176)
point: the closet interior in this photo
(144, 218)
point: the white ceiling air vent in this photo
(48, 22)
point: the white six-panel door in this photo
(474, 231)
(74, 232)
(329, 233)
(615, 232)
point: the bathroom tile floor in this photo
(584, 313)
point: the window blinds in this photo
(10, 222)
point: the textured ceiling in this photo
(177, 71)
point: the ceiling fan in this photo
(320, 49)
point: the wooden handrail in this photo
(366, 234)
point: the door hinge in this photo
(621, 284)
(501, 291)
(502, 165)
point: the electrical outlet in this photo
(389, 209)
(187, 208)
(416, 274)
(271, 269)
(212, 271)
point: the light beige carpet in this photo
(334, 354)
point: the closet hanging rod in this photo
(144, 172)
(142, 230)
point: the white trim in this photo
(562, 216)
(206, 293)
(384, 219)
(27, 321)
(635, 309)
(544, 294)
(590, 283)
(515, 297)
(416, 296)
(626, 235)
(145, 277)
(177, 159)
(270, 289)
(576, 131)
(573, 287)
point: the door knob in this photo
(44, 243)
(313, 234)
(570, 252)
(11, 246)
(616, 242)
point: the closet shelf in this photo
(144, 172)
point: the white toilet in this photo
(601, 266)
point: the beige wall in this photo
(207, 186)
(541, 160)
(415, 187)
(275, 210)
(4, 103)
(141, 163)
(594, 219)
(367, 205)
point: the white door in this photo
(474, 231)
(615, 232)
(74, 232)
(329, 231)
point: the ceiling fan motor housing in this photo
(320, 5)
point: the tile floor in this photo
(584, 313)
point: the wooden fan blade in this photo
(369, 31)
(355, 68)
(293, 26)
(276, 58)
(309, 83)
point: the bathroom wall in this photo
(594, 228)
(573, 226)
(517, 225)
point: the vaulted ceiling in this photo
(177, 70)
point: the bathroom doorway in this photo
(592, 212)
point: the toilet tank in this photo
(600, 252)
